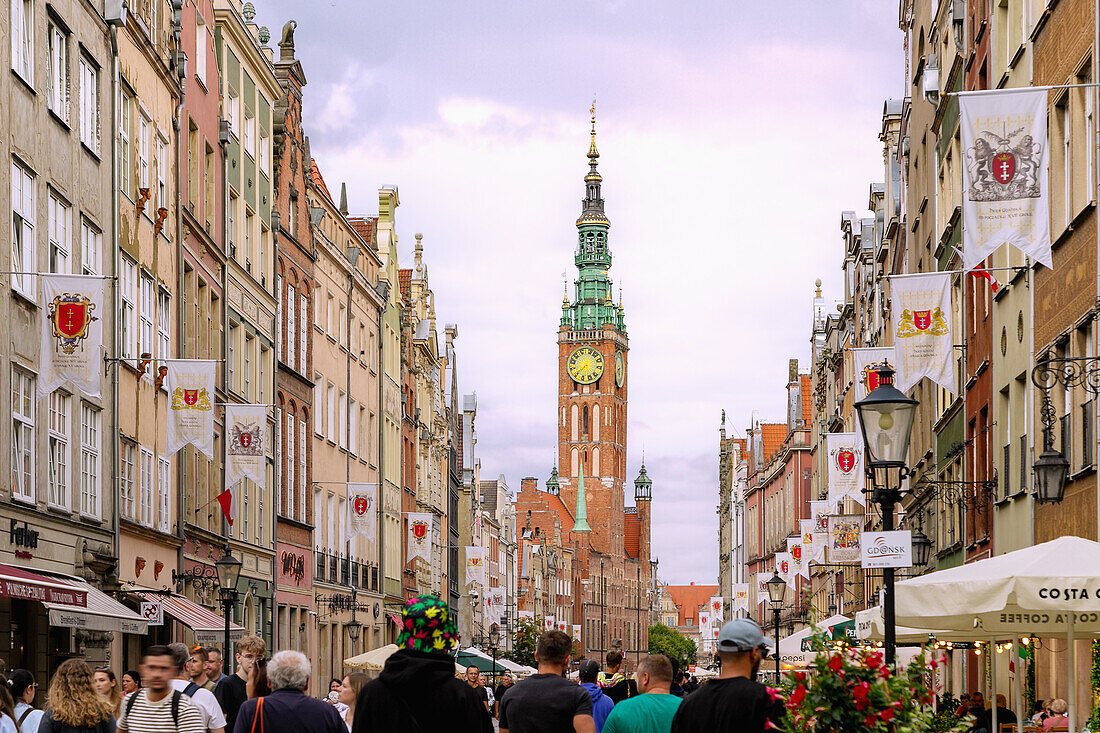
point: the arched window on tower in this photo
(596, 422)
(574, 462)
(584, 429)
(584, 460)
(595, 461)
(575, 426)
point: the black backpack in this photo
(176, 695)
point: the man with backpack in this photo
(156, 707)
(188, 682)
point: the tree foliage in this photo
(671, 643)
(524, 640)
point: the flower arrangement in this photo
(852, 689)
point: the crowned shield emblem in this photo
(846, 460)
(420, 530)
(190, 397)
(1004, 167)
(70, 316)
(922, 319)
(717, 605)
(785, 567)
(361, 505)
(796, 552)
(871, 378)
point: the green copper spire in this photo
(593, 307)
(581, 525)
(552, 484)
(643, 486)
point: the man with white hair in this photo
(288, 709)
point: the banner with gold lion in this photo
(923, 342)
(191, 404)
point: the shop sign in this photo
(42, 594)
(886, 549)
(293, 565)
(153, 612)
(23, 536)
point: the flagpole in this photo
(1018, 90)
(951, 272)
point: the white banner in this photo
(548, 623)
(762, 587)
(844, 452)
(475, 565)
(820, 511)
(740, 598)
(704, 624)
(576, 629)
(1006, 201)
(785, 567)
(864, 363)
(717, 607)
(813, 542)
(844, 536)
(494, 605)
(923, 343)
(191, 411)
(886, 549)
(72, 334)
(562, 626)
(798, 561)
(420, 536)
(363, 510)
(245, 449)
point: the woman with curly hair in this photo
(106, 684)
(74, 703)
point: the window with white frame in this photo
(231, 225)
(291, 459)
(249, 219)
(291, 327)
(60, 226)
(148, 313)
(265, 233)
(127, 480)
(164, 323)
(89, 461)
(201, 44)
(264, 153)
(331, 405)
(23, 251)
(164, 493)
(231, 356)
(353, 427)
(57, 70)
(261, 374)
(232, 111)
(247, 369)
(302, 449)
(260, 513)
(161, 192)
(303, 332)
(128, 285)
(318, 400)
(248, 136)
(342, 422)
(144, 132)
(244, 493)
(146, 487)
(125, 175)
(58, 448)
(22, 39)
(91, 248)
(89, 104)
(22, 447)
(280, 508)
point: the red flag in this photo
(978, 272)
(228, 501)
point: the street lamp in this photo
(922, 547)
(229, 571)
(1051, 470)
(777, 587)
(886, 421)
(494, 642)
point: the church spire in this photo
(592, 206)
(581, 523)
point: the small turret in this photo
(643, 486)
(552, 484)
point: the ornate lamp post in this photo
(777, 588)
(1052, 468)
(494, 643)
(229, 571)
(886, 421)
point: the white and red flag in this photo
(72, 334)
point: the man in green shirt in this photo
(653, 709)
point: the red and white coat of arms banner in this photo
(924, 343)
(845, 455)
(191, 408)
(363, 510)
(475, 565)
(245, 452)
(1005, 184)
(420, 535)
(72, 334)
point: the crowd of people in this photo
(184, 690)
(1050, 715)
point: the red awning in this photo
(17, 583)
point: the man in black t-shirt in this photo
(232, 690)
(734, 701)
(473, 679)
(547, 702)
(506, 683)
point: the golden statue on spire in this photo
(592, 152)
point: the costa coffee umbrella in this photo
(1047, 590)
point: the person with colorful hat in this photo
(734, 700)
(417, 689)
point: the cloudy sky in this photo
(732, 136)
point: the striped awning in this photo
(99, 612)
(208, 626)
(19, 583)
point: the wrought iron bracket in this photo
(1083, 372)
(204, 577)
(974, 495)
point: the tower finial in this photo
(592, 152)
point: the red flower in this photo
(797, 696)
(769, 725)
(887, 715)
(800, 677)
(835, 663)
(775, 694)
(860, 691)
(869, 721)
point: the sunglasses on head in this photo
(764, 651)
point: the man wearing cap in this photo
(734, 701)
(417, 689)
(601, 703)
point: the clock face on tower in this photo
(620, 369)
(585, 365)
